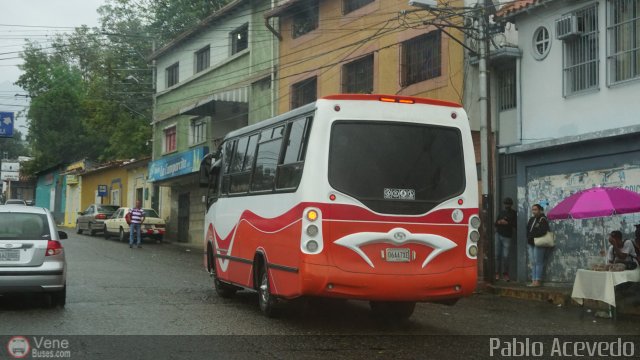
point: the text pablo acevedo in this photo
(556, 347)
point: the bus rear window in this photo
(396, 168)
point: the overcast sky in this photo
(17, 21)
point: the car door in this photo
(23, 239)
(112, 223)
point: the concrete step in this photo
(627, 297)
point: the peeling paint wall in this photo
(579, 242)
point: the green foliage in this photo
(13, 146)
(91, 93)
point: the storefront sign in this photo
(182, 163)
(72, 179)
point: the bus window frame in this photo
(285, 124)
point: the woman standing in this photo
(536, 227)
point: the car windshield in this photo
(150, 213)
(19, 202)
(107, 208)
(24, 226)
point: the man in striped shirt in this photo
(136, 216)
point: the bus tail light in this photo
(311, 236)
(473, 236)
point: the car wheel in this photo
(121, 235)
(222, 289)
(392, 310)
(59, 298)
(105, 233)
(266, 300)
(78, 230)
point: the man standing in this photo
(505, 229)
(136, 216)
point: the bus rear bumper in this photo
(329, 281)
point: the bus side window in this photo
(264, 173)
(226, 165)
(290, 171)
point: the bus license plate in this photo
(9, 255)
(398, 255)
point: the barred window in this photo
(421, 58)
(357, 76)
(240, 39)
(623, 28)
(202, 58)
(581, 54)
(304, 92)
(506, 79)
(172, 73)
(351, 5)
(306, 18)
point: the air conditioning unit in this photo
(567, 27)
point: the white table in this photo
(599, 285)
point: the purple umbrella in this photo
(596, 202)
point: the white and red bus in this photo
(369, 197)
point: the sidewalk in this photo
(628, 300)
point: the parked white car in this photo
(153, 227)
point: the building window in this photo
(506, 79)
(351, 5)
(357, 76)
(172, 74)
(240, 39)
(421, 58)
(623, 28)
(170, 139)
(581, 54)
(202, 57)
(304, 92)
(541, 43)
(198, 131)
(305, 18)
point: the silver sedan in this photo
(32, 258)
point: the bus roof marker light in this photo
(406, 101)
(454, 115)
(332, 197)
(336, 108)
(387, 99)
(460, 202)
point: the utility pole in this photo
(484, 138)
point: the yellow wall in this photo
(115, 178)
(374, 28)
(138, 179)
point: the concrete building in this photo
(51, 191)
(575, 122)
(363, 46)
(213, 78)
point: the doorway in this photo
(183, 217)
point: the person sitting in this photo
(621, 251)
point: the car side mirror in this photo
(62, 235)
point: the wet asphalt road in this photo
(162, 289)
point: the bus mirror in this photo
(205, 168)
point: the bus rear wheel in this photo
(223, 290)
(393, 310)
(266, 300)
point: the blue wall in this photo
(46, 181)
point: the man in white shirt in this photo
(620, 251)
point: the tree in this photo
(13, 146)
